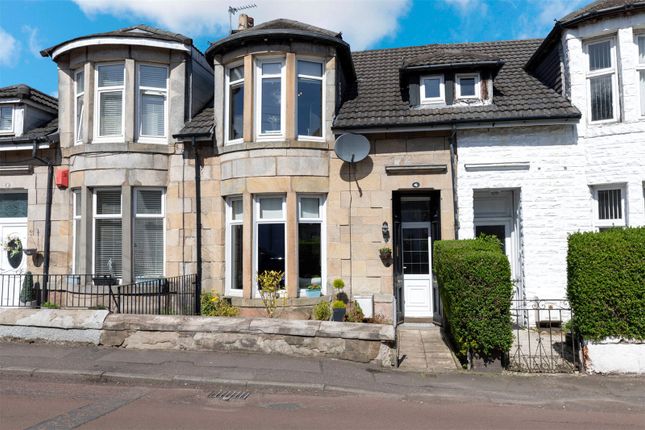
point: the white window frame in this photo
(608, 223)
(322, 212)
(96, 216)
(640, 68)
(258, 98)
(227, 105)
(256, 222)
(322, 79)
(161, 216)
(76, 215)
(612, 71)
(458, 78)
(442, 90)
(230, 222)
(142, 138)
(97, 102)
(78, 123)
(13, 119)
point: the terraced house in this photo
(528, 140)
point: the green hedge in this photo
(606, 283)
(476, 289)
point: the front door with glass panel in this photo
(416, 254)
(13, 237)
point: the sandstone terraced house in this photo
(528, 140)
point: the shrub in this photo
(338, 284)
(355, 313)
(338, 304)
(322, 311)
(215, 306)
(50, 305)
(606, 283)
(476, 290)
(28, 292)
(270, 287)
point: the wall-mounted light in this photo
(385, 229)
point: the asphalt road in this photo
(33, 403)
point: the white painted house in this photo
(534, 185)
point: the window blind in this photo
(6, 118)
(110, 75)
(149, 202)
(108, 247)
(153, 77)
(108, 202)
(610, 204)
(600, 56)
(152, 115)
(601, 98)
(111, 106)
(148, 248)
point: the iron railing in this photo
(544, 339)
(171, 296)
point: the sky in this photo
(28, 26)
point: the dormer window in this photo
(153, 95)
(6, 119)
(235, 103)
(109, 93)
(432, 89)
(467, 86)
(270, 95)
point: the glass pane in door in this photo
(416, 255)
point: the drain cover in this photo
(229, 395)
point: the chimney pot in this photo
(245, 22)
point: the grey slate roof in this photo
(141, 31)
(439, 57)
(600, 7)
(517, 94)
(23, 91)
(34, 134)
(292, 25)
(201, 124)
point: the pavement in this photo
(48, 362)
(422, 348)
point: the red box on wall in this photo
(62, 178)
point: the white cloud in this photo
(363, 22)
(466, 7)
(9, 49)
(32, 42)
(551, 10)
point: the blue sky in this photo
(27, 26)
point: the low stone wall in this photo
(365, 343)
(615, 356)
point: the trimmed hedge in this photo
(606, 283)
(476, 289)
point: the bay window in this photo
(6, 119)
(270, 98)
(109, 100)
(108, 232)
(79, 106)
(309, 99)
(270, 233)
(641, 71)
(310, 243)
(235, 104)
(602, 80)
(152, 96)
(148, 234)
(609, 206)
(234, 245)
(76, 230)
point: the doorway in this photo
(13, 236)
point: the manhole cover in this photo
(229, 395)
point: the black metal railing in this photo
(544, 338)
(169, 296)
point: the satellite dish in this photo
(352, 147)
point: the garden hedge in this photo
(606, 283)
(476, 289)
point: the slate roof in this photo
(23, 91)
(141, 31)
(292, 25)
(201, 124)
(34, 134)
(600, 7)
(442, 57)
(517, 94)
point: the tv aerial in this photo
(232, 10)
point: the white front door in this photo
(12, 264)
(417, 272)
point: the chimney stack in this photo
(245, 22)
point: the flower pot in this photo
(312, 294)
(339, 314)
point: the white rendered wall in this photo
(616, 356)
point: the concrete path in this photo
(422, 349)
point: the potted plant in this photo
(338, 308)
(313, 291)
(385, 253)
(339, 284)
(28, 292)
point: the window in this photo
(107, 232)
(148, 234)
(270, 233)
(6, 118)
(310, 241)
(270, 93)
(641, 70)
(609, 207)
(13, 205)
(309, 99)
(153, 94)
(467, 86)
(432, 89)
(79, 106)
(601, 76)
(109, 96)
(235, 103)
(76, 230)
(234, 241)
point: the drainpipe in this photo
(198, 226)
(453, 173)
(48, 219)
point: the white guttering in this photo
(21, 146)
(137, 41)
